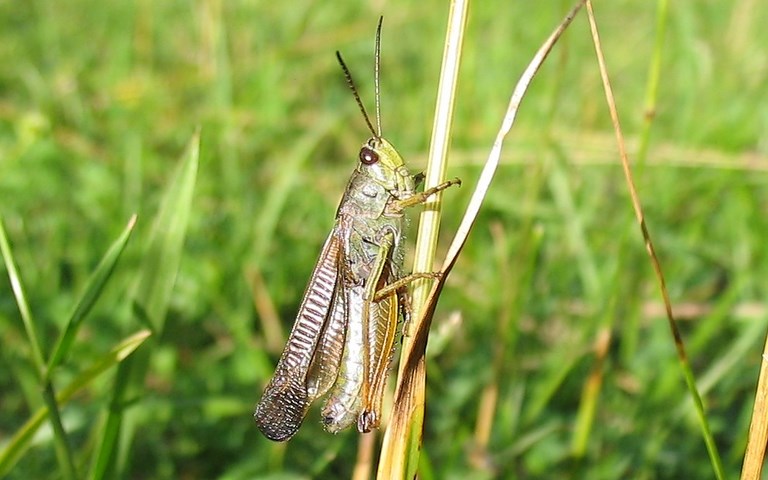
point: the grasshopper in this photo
(344, 335)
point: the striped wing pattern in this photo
(327, 359)
(287, 397)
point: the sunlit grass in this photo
(100, 100)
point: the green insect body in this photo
(344, 335)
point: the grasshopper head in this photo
(378, 158)
(381, 162)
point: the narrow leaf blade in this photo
(21, 441)
(92, 293)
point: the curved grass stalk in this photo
(402, 440)
(636, 205)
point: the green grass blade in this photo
(21, 301)
(163, 254)
(92, 293)
(21, 441)
(152, 297)
(61, 442)
(654, 76)
(685, 364)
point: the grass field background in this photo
(100, 100)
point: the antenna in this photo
(377, 65)
(351, 84)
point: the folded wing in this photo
(301, 374)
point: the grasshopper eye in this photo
(368, 156)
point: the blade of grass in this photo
(654, 74)
(38, 358)
(407, 416)
(274, 336)
(636, 205)
(92, 292)
(164, 251)
(590, 394)
(61, 443)
(152, 297)
(22, 439)
(754, 455)
(400, 450)
(365, 456)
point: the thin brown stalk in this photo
(636, 205)
(365, 456)
(274, 336)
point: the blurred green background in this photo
(99, 100)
